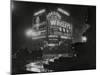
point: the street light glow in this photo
(84, 39)
(32, 33)
(29, 33)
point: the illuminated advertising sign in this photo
(57, 26)
(53, 25)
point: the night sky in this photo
(22, 14)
